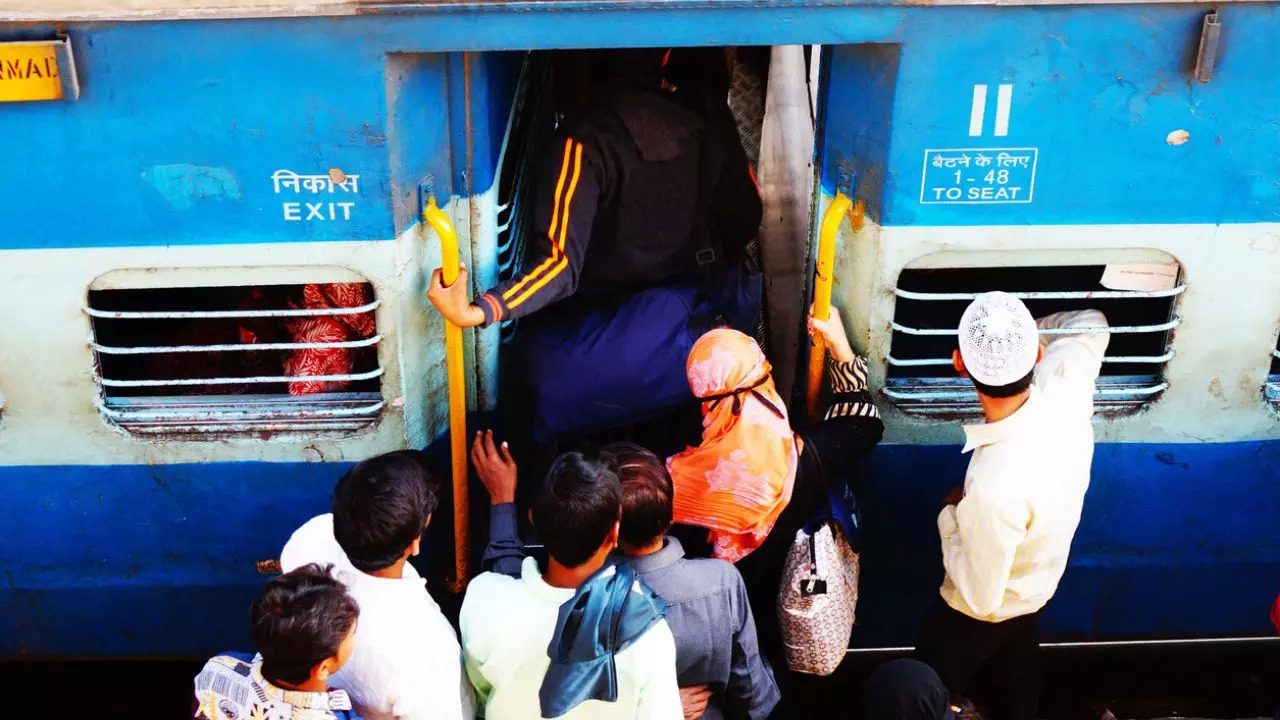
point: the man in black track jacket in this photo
(618, 210)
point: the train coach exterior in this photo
(241, 146)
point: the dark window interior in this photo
(1275, 362)
(945, 314)
(124, 332)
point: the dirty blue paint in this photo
(1097, 91)
(449, 115)
(485, 88)
(417, 127)
(1175, 541)
(1096, 88)
(497, 89)
(121, 560)
(857, 122)
(218, 95)
(145, 560)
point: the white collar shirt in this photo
(1005, 545)
(406, 663)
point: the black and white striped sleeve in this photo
(849, 396)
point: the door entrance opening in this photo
(556, 88)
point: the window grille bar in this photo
(299, 425)
(153, 349)
(190, 414)
(1276, 352)
(238, 380)
(1106, 359)
(920, 362)
(1053, 331)
(213, 314)
(973, 411)
(338, 398)
(1051, 295)
(932, 395)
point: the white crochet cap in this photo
(998, 339)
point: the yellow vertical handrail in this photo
(825, 275)
(449, 268)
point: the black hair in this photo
(646, 494)
(699, 68)
(577, 506)
(381, 506)
(641, 65)
(300, 621)
(1004, 391)
(905, 689)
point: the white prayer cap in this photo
(998, 339)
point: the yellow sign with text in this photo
(35, 70)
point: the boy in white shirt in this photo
(614, 656)
(1007, 534)
(406, 663)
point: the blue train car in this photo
(200, 169)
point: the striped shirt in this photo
(849, 389)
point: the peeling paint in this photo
(1215, 389)
(1266, 242)
(183, 185)
(313, 453)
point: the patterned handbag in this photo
(817, 599)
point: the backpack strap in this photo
(710, 159)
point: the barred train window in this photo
(921, 380)
(1272, 389)
(266, 358)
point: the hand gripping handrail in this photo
(449, 268)
(825, 274)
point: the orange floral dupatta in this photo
(739, 480)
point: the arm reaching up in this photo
(497, 472)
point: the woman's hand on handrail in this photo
(830, 332)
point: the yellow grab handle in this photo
(449, 264)
(831, 221)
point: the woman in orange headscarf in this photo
(738, 480)
(753, 482)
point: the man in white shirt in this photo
(406, 663)
(1007, 534)
(614, 656)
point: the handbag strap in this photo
(823, 518)
(813, 553)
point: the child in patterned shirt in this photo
(303, 627)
